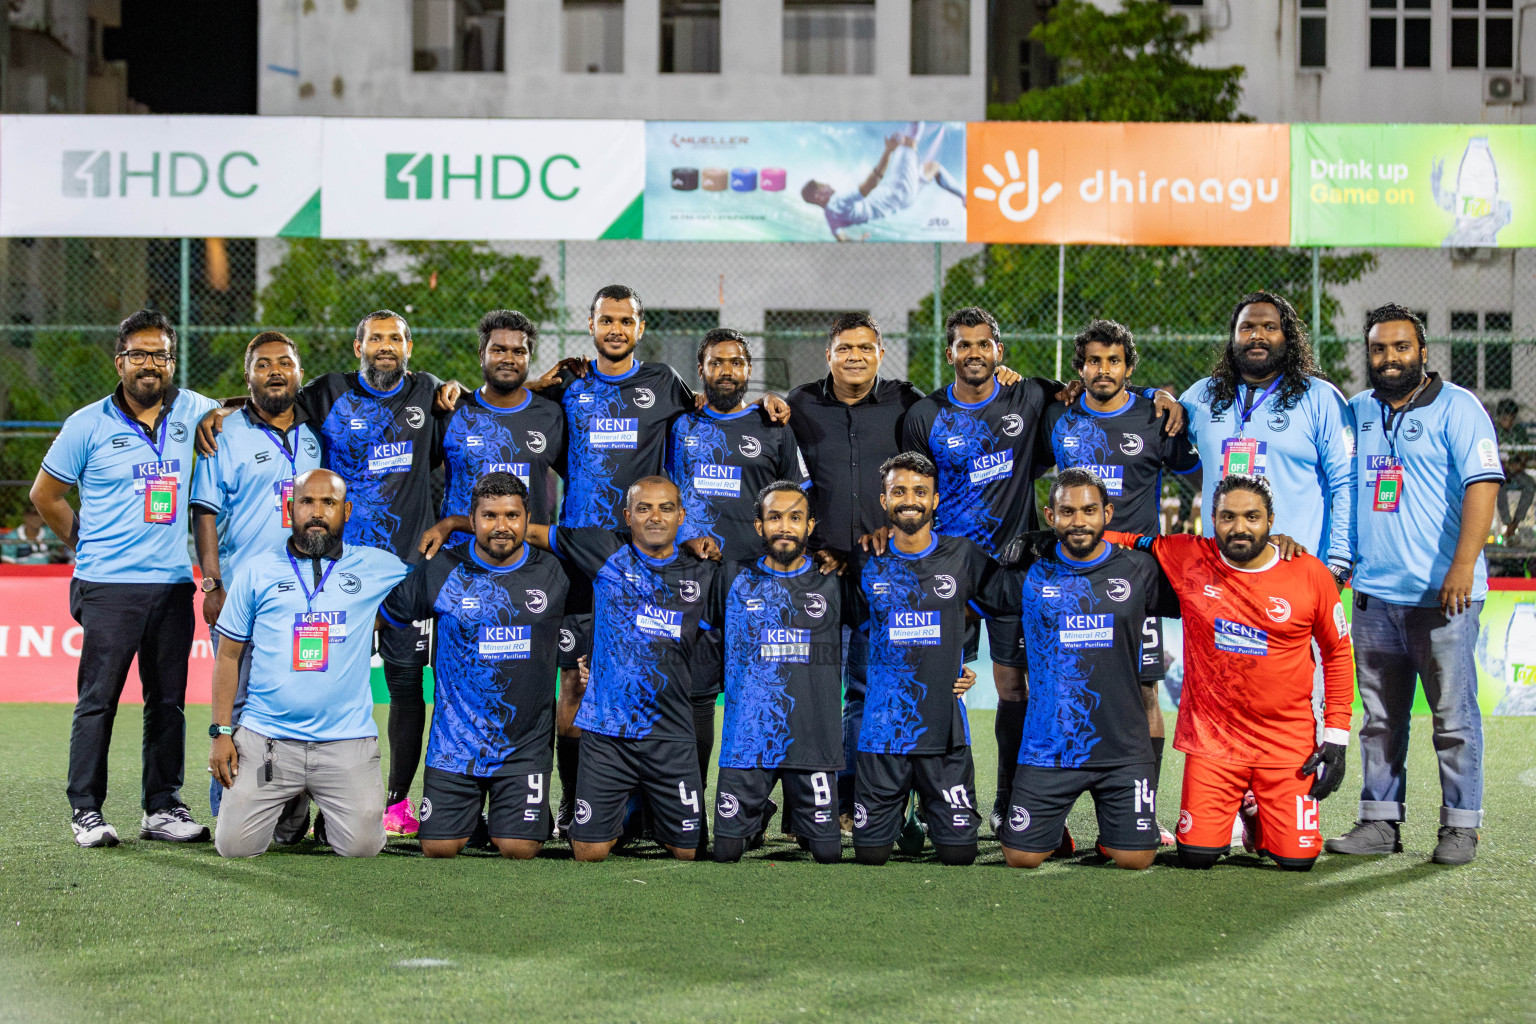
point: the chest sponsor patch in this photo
(915, 629)
(393, 457)
(143, 471)
(1112, 477)
(1236, 638)
(335, 622)
(659, 622)
(715, 481)
(1080, 632)
(502, 643)
(521, 470)
(992, 466)
(785, 645)
(614, 433)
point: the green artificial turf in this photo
(155, 931)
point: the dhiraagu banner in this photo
(1413, 184)
(485, 178)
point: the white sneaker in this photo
(173, 824)
(92, 830)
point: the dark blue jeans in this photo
(1395, 645)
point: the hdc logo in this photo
(494, 176)
(89, 172)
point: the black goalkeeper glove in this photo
(1026, 549)
(1327, 764)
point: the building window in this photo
(672, 336)
(1482, 34)
(829, 38)
(594, 36)
(794, 346)
(690, 37)
(1312, 42)
(941, 37)
(1399, 27)
(1462, 320)
(458, 35)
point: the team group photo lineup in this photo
(599, 558)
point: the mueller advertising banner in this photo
(1413, 184)
(799, 181)
(1128, 184)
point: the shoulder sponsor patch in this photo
(1340, 623)
(1237, 638)
(1487, 454)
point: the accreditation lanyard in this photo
(1246, 456)
(311, 639)
(159, 489)
(283, 489)
(1388, 493)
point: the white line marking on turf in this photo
(1528, 777)
(424, 961)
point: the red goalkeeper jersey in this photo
(1248, 663)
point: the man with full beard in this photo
(1267, 411)
(240, 493)
(307, 729)
(130, 454)
(1429, 475)
(1251, 618)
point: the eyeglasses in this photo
(137, 357)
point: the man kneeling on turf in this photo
(1085, 730)
(783, 687)
(651, 601)
(306, 609)
(498, 605)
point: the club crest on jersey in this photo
(1279, 609)
(426, 809)
(815, 605)
(537, 600)
(1013, 424)
(178, 432)
(860, 815)
(1018, 818)
(311, 448)
(1278, 421)
(750, 446)
(1130, 444)
(1118, 589)
(349, 583)
(1186, 822)
(729, 805)
(583, 812)
(567, 640)
(689, 590)
(537, 442)
(1413, 430)
(414, 416)
(645, 397)
(944, 586)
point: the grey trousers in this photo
(341, 776)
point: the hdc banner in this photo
(1413, 184)
(1128, 184)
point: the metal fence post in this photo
(562, 313)
(938, 315)
(1061, 298)
(185, 362)
(1317, 294)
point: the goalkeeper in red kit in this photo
(1245, 718)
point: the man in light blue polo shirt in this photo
(307, 609)
(1266, 411)
(130, 455)
(1429, 476)
(240, 493)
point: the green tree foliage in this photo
(1130, 65)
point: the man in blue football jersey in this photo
(1429, 477)
(240, 496)
(307, 729)
(130, 455)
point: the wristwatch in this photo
(1341, 573)
(211, 583)
(215, 731)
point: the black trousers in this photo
(120, 620)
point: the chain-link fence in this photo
(62, 298)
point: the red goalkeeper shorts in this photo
(1213, 792)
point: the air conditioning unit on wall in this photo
(1503, 87)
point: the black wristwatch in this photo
(215, 731)
(1341, 573)
(211, 583)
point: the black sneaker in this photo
(91, 829)
(1367, 838)
(1455, 846)
(565, 816)
(480, 838)
(319, 829)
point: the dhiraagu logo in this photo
(176, 174)
(479, 176)
(1016, 184)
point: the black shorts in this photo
(741, 800)
(1152, 666)
(1005, 640)
(946, 782)
(1123, 798)
(519, 805)
(409, 645)
(665, 772)
(575, 639)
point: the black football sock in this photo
(567, 758)
(407, 721)
(704, 733)
(1008, 727)
(826, 851)
(876, 855)
(728, 851)
(961, 854)
(1157, 762)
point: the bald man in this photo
(307, 609)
